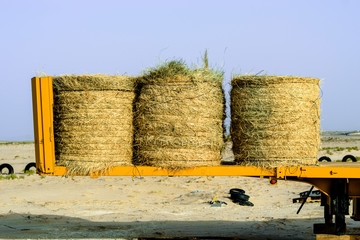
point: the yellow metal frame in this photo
(42, 95)
(319, 176)
(317, 172)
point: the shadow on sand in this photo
(25, 226)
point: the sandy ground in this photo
(341, 141)
(121, 207)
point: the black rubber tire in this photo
(8, 167)
(246, 203)
(353, 159)
(324, 159)
(29, 166)
(236, 197)
(236, 190)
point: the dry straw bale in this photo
(275, 120)
(93, 122)
(179, 117)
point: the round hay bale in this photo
(93, 122)
(179, 117)
(275, 120)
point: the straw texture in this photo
(179, 117)
(275, 120)
(93, 122)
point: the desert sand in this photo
(49, 207)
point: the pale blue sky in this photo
(310, 38)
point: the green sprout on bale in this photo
(168, 71)
(205, 60)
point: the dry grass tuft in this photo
(179, 117)
(93, 122)
(275, 120)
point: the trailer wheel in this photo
(29, 165)
(8, 167)
(351, 157)
(324, 159)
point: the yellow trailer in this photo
(338, 182)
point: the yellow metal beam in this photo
(42, 92)
(47, 114)
(323, 171)
(198, 171)
(279, 173)
(38, 133)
